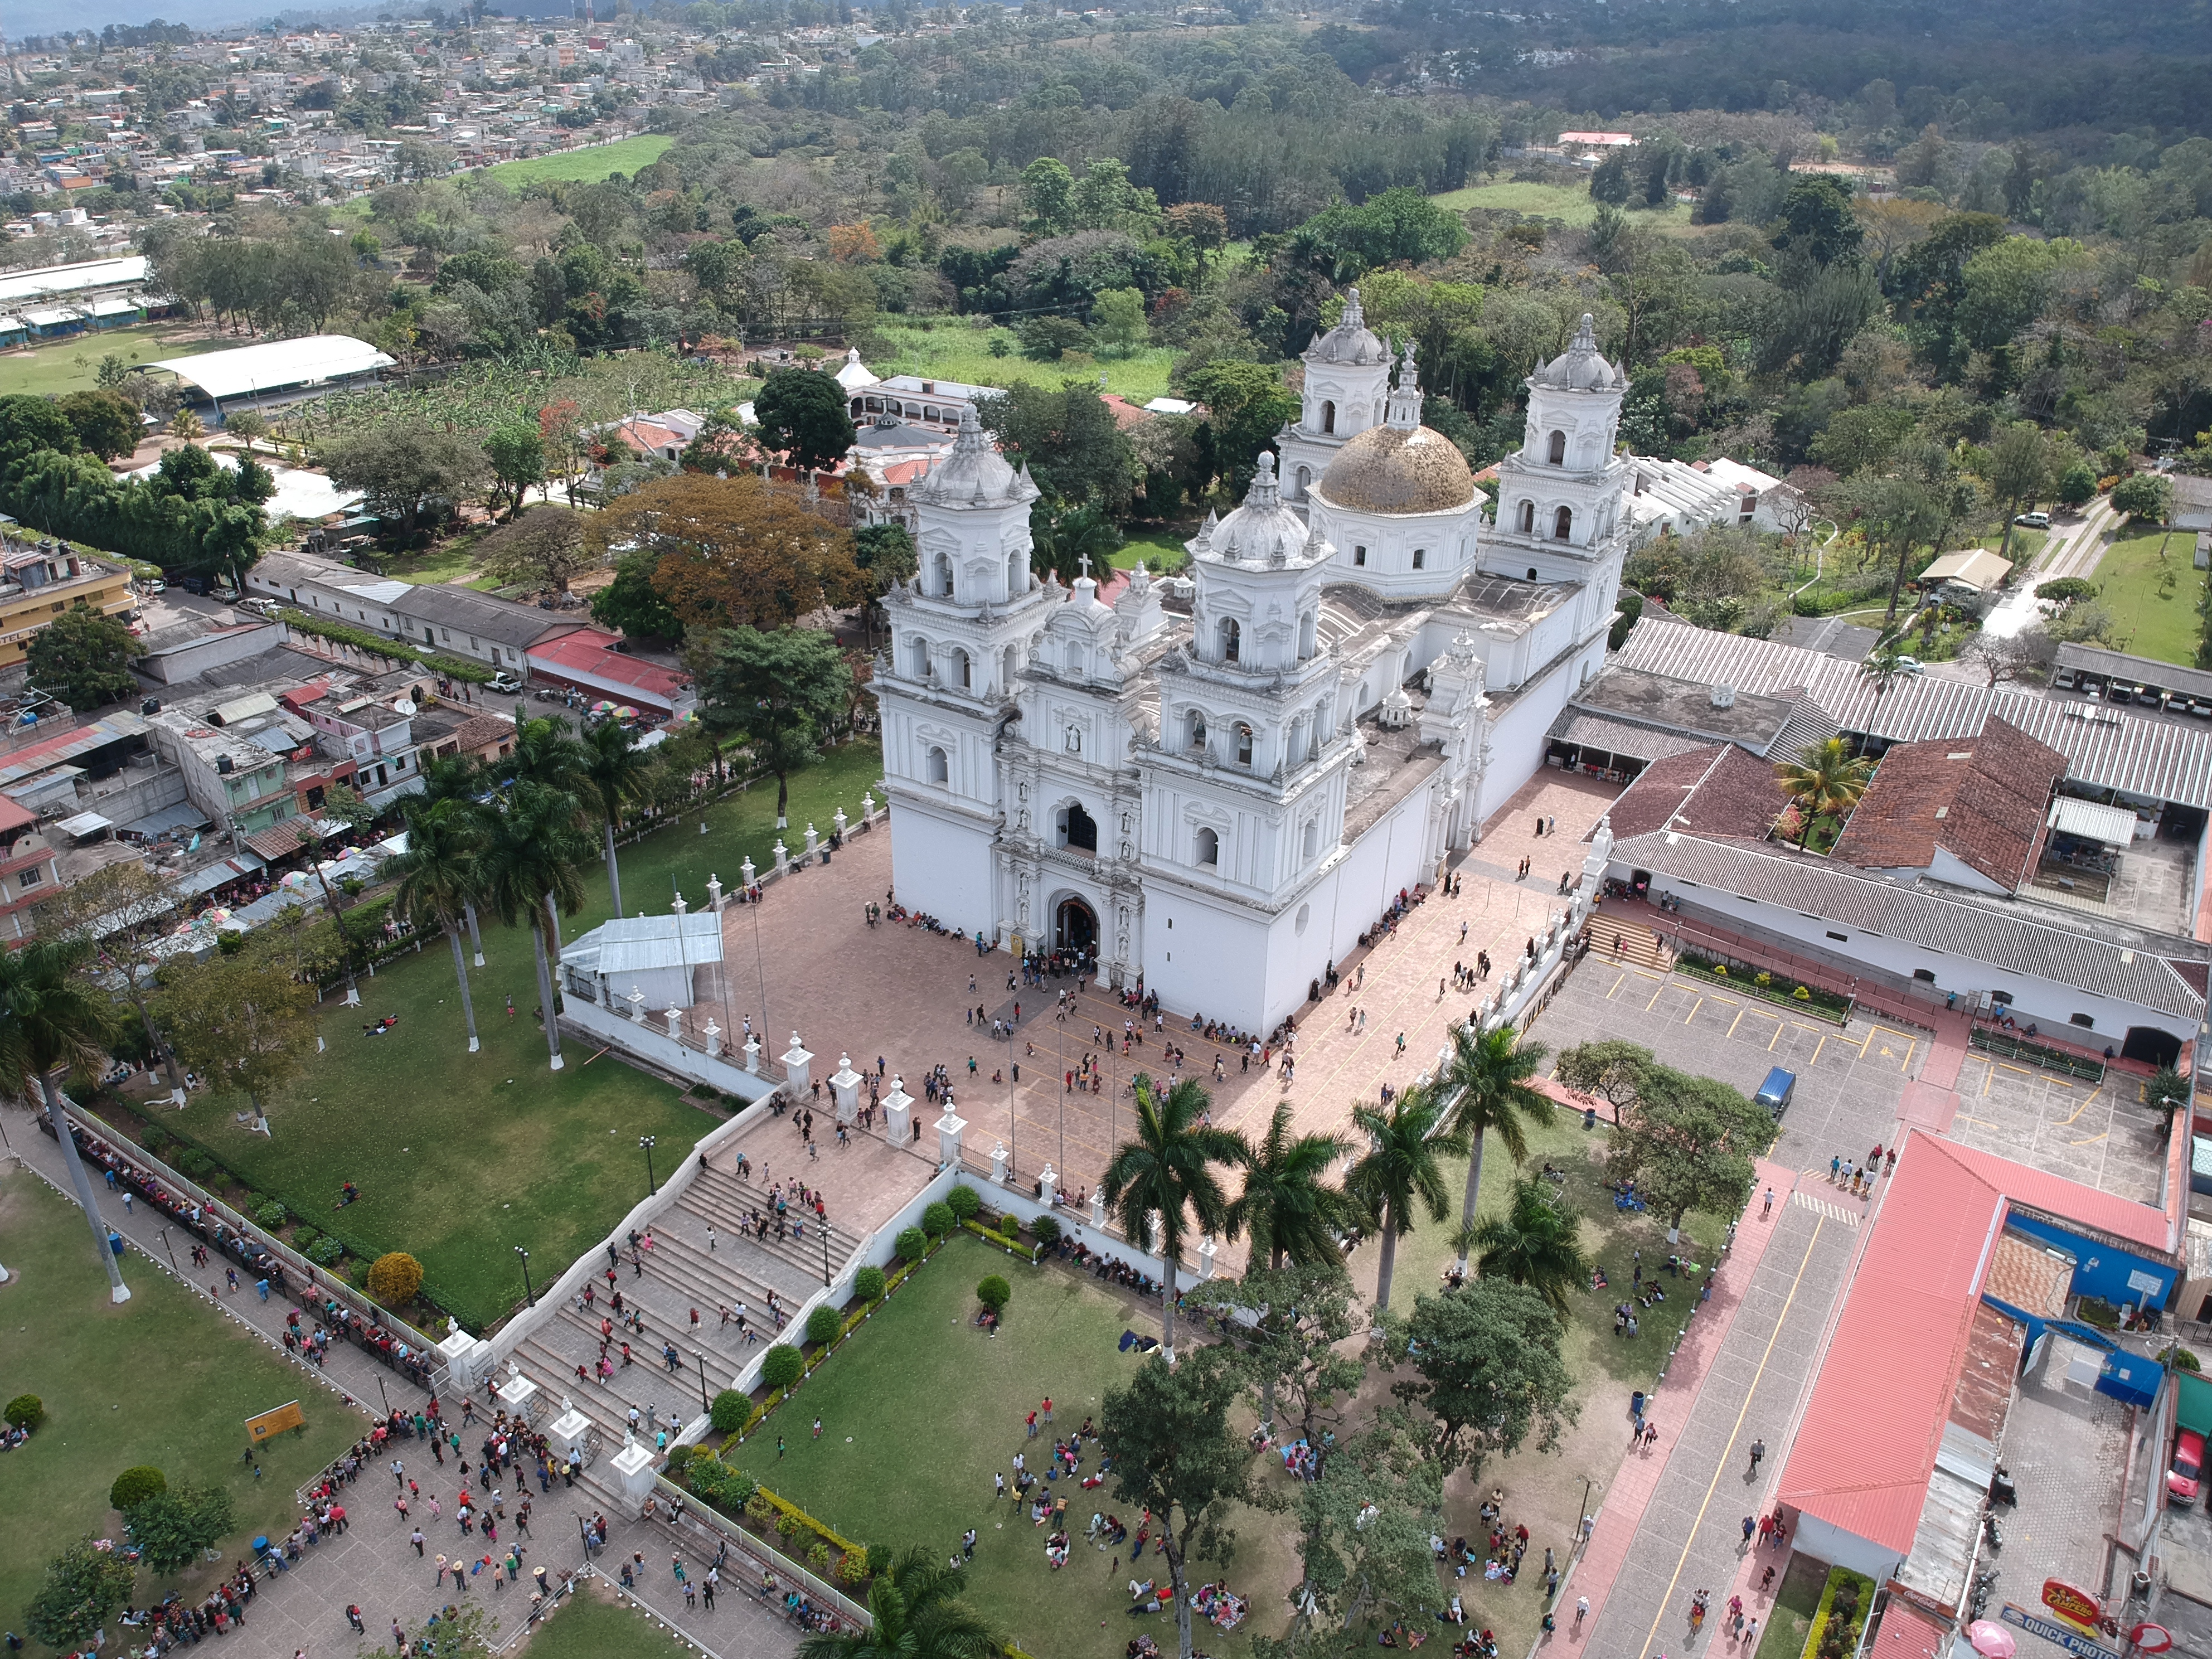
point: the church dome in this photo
(974, 473)
(1351, 341)
(1582, 367)
(1261, 531)
(1393, 469)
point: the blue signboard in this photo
(2072, 1640)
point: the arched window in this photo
(1017, 574)
(942, 570)
(1558, 451)
(1197, 729)
(1305, 478)
(1209, 847)
(1232, 639)
(1563, 522)
(1420, 558)
(1077, 830)
(1074, 656)
(920, 651)
(1308, 626)
(937, 768)
(1243, 743)
(1359, 555)
(1527, 517)
(1328, 416)
(1312, 843)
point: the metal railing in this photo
(683, 1515)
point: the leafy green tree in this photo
(173, 1525)
(1068, 438)
(1817, 220)
(84, 658)
(1175, 1454)
(776, 692)
(916, 1613)
(2144, 495)
(1297, 1350)
(1533, 1243)
(2077, 485)
(85, 1586)
(1486, 1079)
(107, 422)
(1048, 191)
(516, 450)
(1048, 338)
(631, 603)
(1824, 781)
(1399, 225)
(437, 878)
(1402, 1172)
(412, 475)
(1612, 1070)
(1246, 406)
(1117, 317)
(1689, 1142)
(543, 546)
(1364, 1532)
(528, 861)
(244, 1020)
(1165, 1173)
(802, 413)
(2019, 472)
(1487, 1358)
(1105, 199)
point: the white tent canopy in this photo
(2115, 826)
(275, 364)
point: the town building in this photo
(39, 580)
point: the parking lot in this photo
(2102, 1135)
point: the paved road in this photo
(2072, 550)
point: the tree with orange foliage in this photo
(732, 552)
(853, 244)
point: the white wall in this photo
(650, 1041)
(1825, 1541)
(941, 865)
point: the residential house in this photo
(39, 580)
(28, 873)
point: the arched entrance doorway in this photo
(1075, 926)
(2152, 1046)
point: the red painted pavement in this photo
(1638, 1475)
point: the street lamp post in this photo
(529, 1294)
(825, 1255)
(651, 1185)
(1582, 1523)
(381, 1394)
(171, 1249)
(703, 1406)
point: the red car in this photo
(2186, 1473)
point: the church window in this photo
(944, 573)
(1328, 416)
(1312, 839)
(1563, 524)
(1527, 517)
(965, 670)
(939, 768)
(1075, 656)
(1079, 831)
(1197, 729)
(1532, 573)
(1232, 639)
(1421, 557)
(1559, 454)
(1018, 573)
(1306, 478)
(1209, 847)
(1359, 556)
(1243, 745)
(920, 660)
(1308, 626)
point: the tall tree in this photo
(1533, 1243)
(802, 414)
(1295, 1346)
(1825, 780)
(777, 693)
(1486, 1080)
(1364, 1532)
(1175, 1454)
(547, 752)
(730, 552)
(245, 1021)
(1402, 1171)
(1165, 1170)
(437, 878)
(1689, 1142)
(122, 911)
(1288, 1208)
(1071, 541)
(84, 658)
(55, 1021)
(618, 772)
(2019, 472)
(86, 1585)
(916, 1613)
(515, 452)
(543, 545)
(1488, 1357)
(531, 848)
(458, 777)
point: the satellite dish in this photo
(404, 705)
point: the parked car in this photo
(1774, 1093)
(2033, 521)
(503, 681)
(2186, 1473)
(152, 584)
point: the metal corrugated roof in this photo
(275, 363)
(637, 945)
(2115, 826)
(2104, 747)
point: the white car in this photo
(2033, 521)
(503, 681)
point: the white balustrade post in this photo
(713, 1036)
(949, 1129)
(999, 1163)
(714, 894)
(898, 1114)
(845, 1086)
(798, 1076)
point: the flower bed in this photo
(1758, 982)
(1845, 1603)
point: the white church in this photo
(1217, 785)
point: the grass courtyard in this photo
(461, 1157)
(594, 1626)
(920, 1410)
(2151, 584)
(585, 166)
(72, 364)
(161, 1379)
(956, 350)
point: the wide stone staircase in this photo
(1639, 947)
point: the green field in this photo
(586, 165)
(593, 1626)
(1570, 202)
(461, 1157)
(1796, 1599)
(2152, 599)
(73, 364)
(1162, 551)
(919, 1373)
(956, 350)
(163, 1380)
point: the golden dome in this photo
(1392, 469)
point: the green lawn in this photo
(1162, 551)
(956, 350)
(1796, 1599)
(591, 1625)
(586, 165)
(2153, 599)
(461, 1157)
(73, 364)
(921, 1376)
(1570, 202)
(163, 1380)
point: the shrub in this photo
(937, 1219)
(2091, 1312)
(195, 1163)
(868, 1284)
(818, 1556)
(729, 1411)
(326, 1252)
(680, 1458)
(851, 1566)
(305, 1238)
(1045, 1230)
(789, 1524)
(758, 1508)
(993, 1292)
(965, 1203)
(26, 1411)
(823, 1324)
(395, 1279)
(1009, 1227)
(782, 1366)
(154, 1138)
(2180, 1358)
(910, 1243)
(135, 1485)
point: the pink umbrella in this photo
(1991, 1640)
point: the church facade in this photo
(1216, 783)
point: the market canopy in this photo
(275, 364)
(2115, 826)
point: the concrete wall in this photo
(141, 791)
(649, 1041)
(1825, 1541)
(941, 866)
(195, 657)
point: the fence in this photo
(685, 1517)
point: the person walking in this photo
(1581, 1610)
(1758, 1451)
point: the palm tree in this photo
(546, 753)
(1533, 1244)
(437, 877)
(527, 863)
(458, 777)
(1883, 666)
(1403, 1169)
(1167, 1170)
(55, 1020)
(1826, 780)
(917, 1616)
(1488, 1076)
(1286, 1207)
(617, 773)
(1060, 540)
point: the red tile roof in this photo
(1740, 797)
(592, 651)
(1980, 798)
(1125, 413)
(1660, 788)
(1906, 1632)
